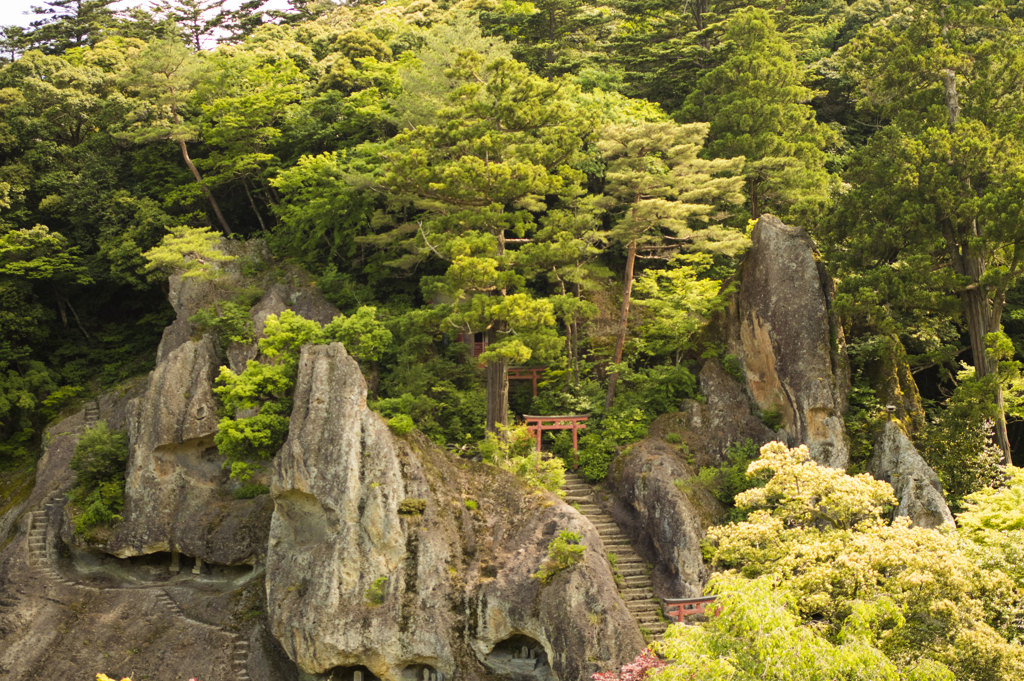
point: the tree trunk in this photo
(620, 342)
(252, 203)
(206, 190)
(978, 310)
(497, 391)
(497, 374)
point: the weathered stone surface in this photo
(916, 485)
(352, 581)
(175, 492)
(708, 429)
(667, 522)
(895, 385)
(780, 325)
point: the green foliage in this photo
(189, 251)
(758, 633)
(600, 442)
(364, 337)
(564, 551)
(958, 444)
(377, 592)
(732, 366)
(251, 438)
(99, 462)
(731, 478)
(755, 102)
(232, 323)
(818, 534)
(251, 491)
(471, 504)
(992, 510)
(401, 424)
(771, 417)
(537, 471)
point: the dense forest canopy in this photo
(570, 183)
(511, 170)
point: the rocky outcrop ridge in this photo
(916, 485)
(781, 327)
(376, 562)
(709, 428)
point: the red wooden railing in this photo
(678, 608)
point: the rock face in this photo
(376, 562)
(178, 497)
(780, 326)
(709, 428)
(916, 485)
(894, 383)
(669, 521)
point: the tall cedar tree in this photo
(942, 186)
(756, 104)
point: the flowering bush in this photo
(637, 670)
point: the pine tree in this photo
(165, 75)
(658, 185)
(197, 19)
(496, 158)
(756, 104)
(70, 23)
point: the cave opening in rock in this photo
(421, 672)
(520, 658)
(356, 673)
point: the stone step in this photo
(636, 581)
(628, 572)
(621, 564)
(642, 605)
(644, 617)
(635, 594)
(607, 535)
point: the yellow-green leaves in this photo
(802, 493)
(190, 251)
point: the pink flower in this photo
(637, 670)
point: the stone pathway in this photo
(92, 413)
(633, 576)
(39, 558)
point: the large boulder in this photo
(376, 560)
(175, 492)
(666, 512)
(178, 496)
(916, 485)
(781, 327)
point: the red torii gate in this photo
(575, 423)
(526, 374)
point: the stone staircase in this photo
(92, 413)
(39, 558)
(632, 574)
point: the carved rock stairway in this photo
(634, 580)
(92, 413)
(39, 558)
